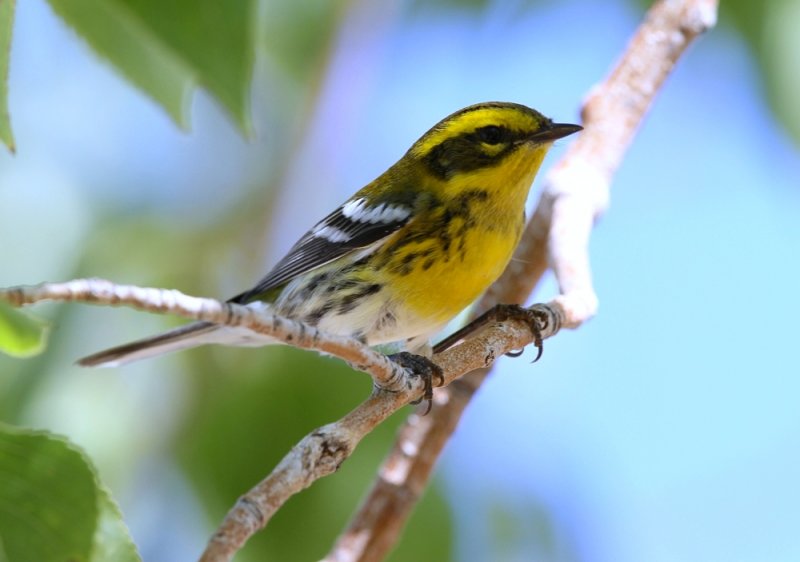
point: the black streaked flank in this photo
(341, 285)
(409, 261)
(387, 320)
(348, 302)
(462, 250)
(315, 316)
(313, 283)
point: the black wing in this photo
(354, 225)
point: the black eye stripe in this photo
(468, 151)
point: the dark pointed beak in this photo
(555, 131)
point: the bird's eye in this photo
(491, 134)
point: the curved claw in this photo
(515, 353)
(539, 350)
(537, 341)
(420, 366)
(428, 405)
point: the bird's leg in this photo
(535, 319)
(421, 366)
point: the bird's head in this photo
(486, 136)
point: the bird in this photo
(406, 253)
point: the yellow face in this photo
(484, 136)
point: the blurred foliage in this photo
(167, 48)
(296, 34)
(529, 528)
(466, 4)
(21, 335)
(6, 22)
(132, 46)
(22, 380)
(470, 4)
(770, 28)
(44, 520)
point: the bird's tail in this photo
(191, 335)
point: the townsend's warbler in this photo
(409, 251)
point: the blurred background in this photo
(666, 429)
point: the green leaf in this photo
(20, 335)
(111, 538)
(166, 48)
(781, 48)
(52, 507)
(6, 22)
(214, 38)
(769, 30)
(298, 34)
(117, 35)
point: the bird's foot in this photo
(535, 318)
(421, 366)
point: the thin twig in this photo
(575, 193)
(385, 373)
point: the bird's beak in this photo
(555, 131)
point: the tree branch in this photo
(385, 373)
(575, 193)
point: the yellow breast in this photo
(443, 287)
